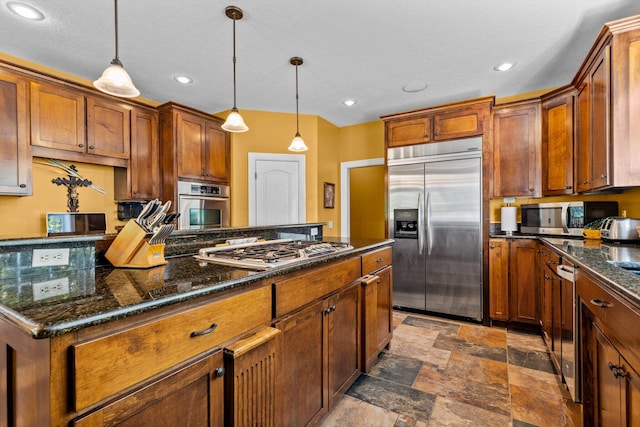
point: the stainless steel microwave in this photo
(563, 218)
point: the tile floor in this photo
(439, 372)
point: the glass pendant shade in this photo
(115, 81)
(298, 144)
(235, 122)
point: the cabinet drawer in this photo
(612, 316)
(294, 293)
(109, 364)
(376, 260)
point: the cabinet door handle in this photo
(23, 185)
(205, 332)
(91, 147)
(569, 187)
(81, 145)
(219, 372)
(600, 303)
(603, 176)
(492, 246)
(617, 370)
(585, 183)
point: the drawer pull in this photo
(380, 260)
(205, 332)
(600, 303)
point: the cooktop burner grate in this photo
(269, 254)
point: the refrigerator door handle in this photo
(420, 224)
(428, 225)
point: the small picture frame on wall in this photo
(329, 195)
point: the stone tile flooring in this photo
(440, 372)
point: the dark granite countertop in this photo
(594, 257)
(98, 294)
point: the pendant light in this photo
(115, 80)
(234, 122)
(298, 143)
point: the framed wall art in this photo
(329, 195)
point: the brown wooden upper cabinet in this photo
(442, 123)
(198, 147)
(594, 105)
(557, 142)
(516, 149)
(15, 152)
(408, 132)
(142, 179)
(67, 124)
(607, 109)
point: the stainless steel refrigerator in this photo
(435, 212)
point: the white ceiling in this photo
(362, 49)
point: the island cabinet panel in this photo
(293, 293)
(15, 150)
(109, 364)
(253, 384)
(191, 396)
(320, 356)
(24, 368)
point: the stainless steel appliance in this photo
(435, 198)
(569, 343)
(264, 255)
(202, 205)
(620, 229)
(563, 218)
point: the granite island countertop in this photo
(51, 304)
(594, 256)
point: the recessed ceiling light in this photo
(416, 86)
(504, 66)
(350, 102)
(25, 11)
(181, 78)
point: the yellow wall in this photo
(270, 133)
(367, 202)
(24, 216)
(628, 201)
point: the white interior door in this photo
(276, 189)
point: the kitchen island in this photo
(110, 346)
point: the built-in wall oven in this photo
(202, 206)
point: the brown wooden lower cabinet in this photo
(191, 396)
(377, 316)
(610, 354)
(320, 356)
(253, 379)
(513, 280)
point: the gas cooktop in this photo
(265, 255)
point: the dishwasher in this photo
(569, 327)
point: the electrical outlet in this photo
(50, 288)
(50, 257)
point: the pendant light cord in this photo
(297, 114)
(116, 32)
(234, 62)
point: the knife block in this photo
(131, 249)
